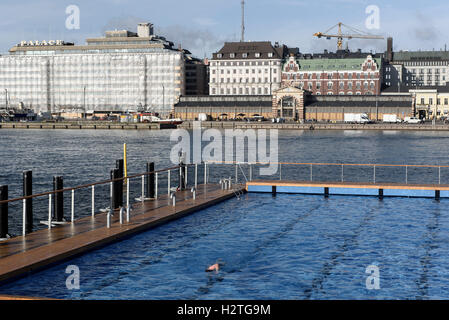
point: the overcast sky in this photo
(203, 25)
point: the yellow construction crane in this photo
(340, 35)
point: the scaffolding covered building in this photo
(123, 71)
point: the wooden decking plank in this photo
(38, 249)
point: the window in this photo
(257, 55)
(445, 101)
(422, 101)
(219, 55)
(430, 100)
(270, 54)
(232, 55)
(244, 55)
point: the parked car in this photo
(412, 120)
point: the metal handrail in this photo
(331, 164)
(86, 185)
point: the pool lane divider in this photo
(380, 190)
(22, 255)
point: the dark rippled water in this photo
(288, 247)
(87, 156)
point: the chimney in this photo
(390, 49)
(144, 30)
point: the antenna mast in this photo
(243, 21)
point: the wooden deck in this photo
(21, 255)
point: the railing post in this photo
(236, 173)
(111, 207)
(128, 209)
(49, 210)
(311, 172)
(205, 173)
(150, 180)
(3, 212)
(73, 206)
(168, 182)
(58, 200)
(173, 197)
(280, 171)
(143, 188)
(439, 175)
(374, 174)
(250, 172)
(186, 174)
(28, 191)
(119, 184)
(196, 175)
(342, 173)
(406, 174)
(155, 185)
(24, 216)
(93, 201)
(115, 202)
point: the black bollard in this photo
(3, 212)
(150, 180)
(121, 174)
(115, 189)
(28, 191)
(58, 199)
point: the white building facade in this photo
(123, 71)
(246, 68)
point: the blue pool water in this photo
(288, 247)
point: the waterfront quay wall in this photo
(85, 125)
(314, 126)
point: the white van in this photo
(412, 120)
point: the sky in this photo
(202, 26)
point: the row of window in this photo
(245, 63)
(446, 102)
(341, 85)
(294, 76)
(240, 71)
(426, 63)
(241, 91)
(245, 55)
(243, 80)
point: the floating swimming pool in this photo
(284, 247)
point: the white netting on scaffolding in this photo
(109, 81)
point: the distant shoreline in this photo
(85, 125)
(316, 126)
(94, 125)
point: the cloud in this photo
(207, 22)
(199, 41)
(427, 32)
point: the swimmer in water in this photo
(215, 267)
